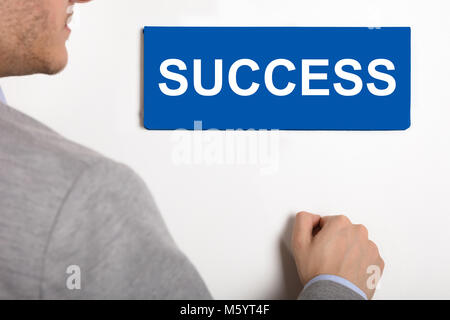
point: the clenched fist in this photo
(333, 245)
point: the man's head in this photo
(33, 34)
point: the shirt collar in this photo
(2, 96)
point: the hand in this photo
(333, 245)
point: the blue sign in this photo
(277, 78)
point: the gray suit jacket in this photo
(74, 225)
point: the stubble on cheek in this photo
(26, 29)
(37, 36)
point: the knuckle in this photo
(302, 215)
(373, 247)
(343, 220)
(382, 264)
(362, 230)
(299, 214)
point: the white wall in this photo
(230, 219)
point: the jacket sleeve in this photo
(328, 290)
(110, 229)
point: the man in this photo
(74, 224)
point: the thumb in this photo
(305, 223)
